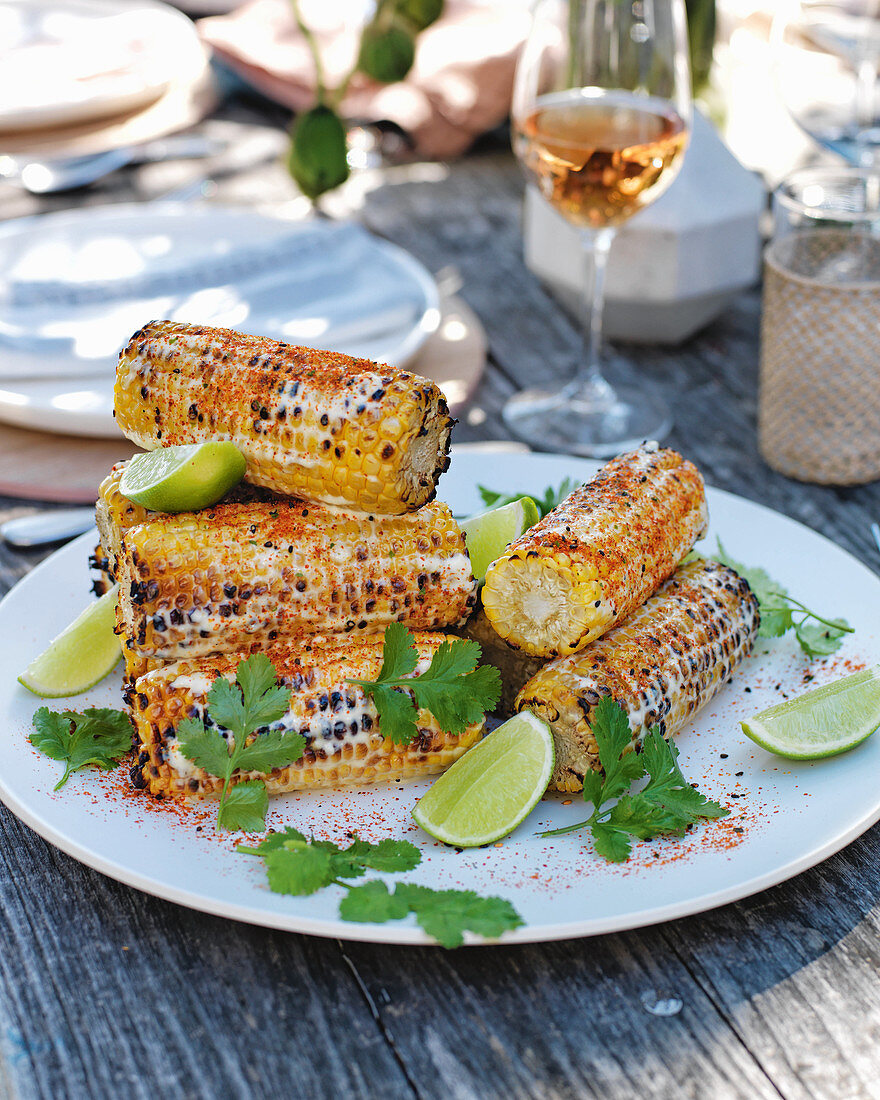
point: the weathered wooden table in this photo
(106, 992)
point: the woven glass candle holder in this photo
(819, 390)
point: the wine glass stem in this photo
(588, 384)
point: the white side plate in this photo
(75, 285)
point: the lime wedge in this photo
(184, 478)
(493, 787)
(823, 722)
(80, 656)
(490, 533)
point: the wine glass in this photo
(601, 116)
(827, 61)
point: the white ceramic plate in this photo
(64, 62)
(75, 285)
(790, 815)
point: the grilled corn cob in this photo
(226, 577)
(662, 665)
(515, 666)
(598, 556)
(115, 513)
(312, 424)
(344, 744)
(99, 568)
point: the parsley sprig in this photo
(300, 865)
(546, 503)
(666, 805)
(780, 612)
(452, 688)
(253, 701)
(99, 735)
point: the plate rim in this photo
(408, 935)
(32, 120)
(21, 407)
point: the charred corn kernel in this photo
(662, 665)
(515, 666)
(312, 424)
(135, 666)
(340, 724)
(233, 575)
(114, 514)
(99, 570)
(598, 556)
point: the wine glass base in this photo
(557, 420)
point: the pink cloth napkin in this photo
(459, 87)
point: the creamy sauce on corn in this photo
(348, 723)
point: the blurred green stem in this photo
(311, 42)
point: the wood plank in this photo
(566, 1019)
(106, 992)
(794, 971)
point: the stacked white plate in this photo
(74, 286)
(66, 62)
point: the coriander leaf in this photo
(667, 786)
(255, 676)
(489, 496)
(458, 703)
(759, 580)
(776, 617)
(452, 659)
(52, 731)
(666, 805)
(399, 653)
(226, 706)
(448, 914)
(610, 726)
(451, 688)
(387, 855)
(204, 747)
(594, 785)
(817, 640)
(297, 865)
(244, 807)
(300, 872)
(546, 503)
(643, 818)
(99, 735)
(265, 701)
(273, 841)
(275, 749)
(779, 612)
(610, 843)
(373, 903)
(397, 714)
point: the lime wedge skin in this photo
(824, 722)
(184, 478)
(488, 534)
(82, 654)
(493, 787)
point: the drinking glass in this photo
(601, 116)
(827, 60)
